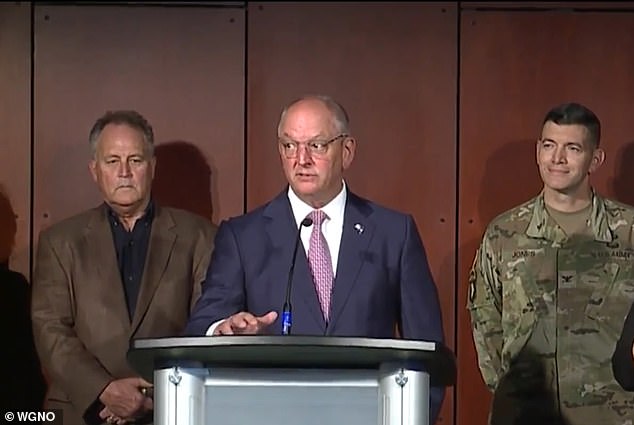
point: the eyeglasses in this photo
(316, 147)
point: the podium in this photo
(277, 380)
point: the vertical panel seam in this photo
(245, 130)
(31, 237)
(457, 210)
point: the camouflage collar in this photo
(539, 228)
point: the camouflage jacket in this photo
(522, 254)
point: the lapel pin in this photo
(359, 228)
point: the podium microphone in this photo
(287, 311)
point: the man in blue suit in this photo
(365, 274)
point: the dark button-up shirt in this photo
(131, 247)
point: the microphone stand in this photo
(287, 311)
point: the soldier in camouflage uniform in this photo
(550, 286)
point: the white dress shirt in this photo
(332, 227)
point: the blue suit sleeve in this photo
(223, 289)
(421, 317)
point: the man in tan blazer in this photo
(124, 270)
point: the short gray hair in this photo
(127, 117)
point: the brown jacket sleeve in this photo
(63, 355)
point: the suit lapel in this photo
(282, 230)
(160, 246)
(357, 234)
(100, 251)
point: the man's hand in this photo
(244, 323)
(123, 399)
(109, 417)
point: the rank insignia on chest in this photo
(567, 279)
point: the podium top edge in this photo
(293, 351)
(287, 341)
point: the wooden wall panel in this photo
(393, 67)
(183, 68)
(15, 139)
(514, 67)
(532, 5)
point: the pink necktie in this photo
(320, 262)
